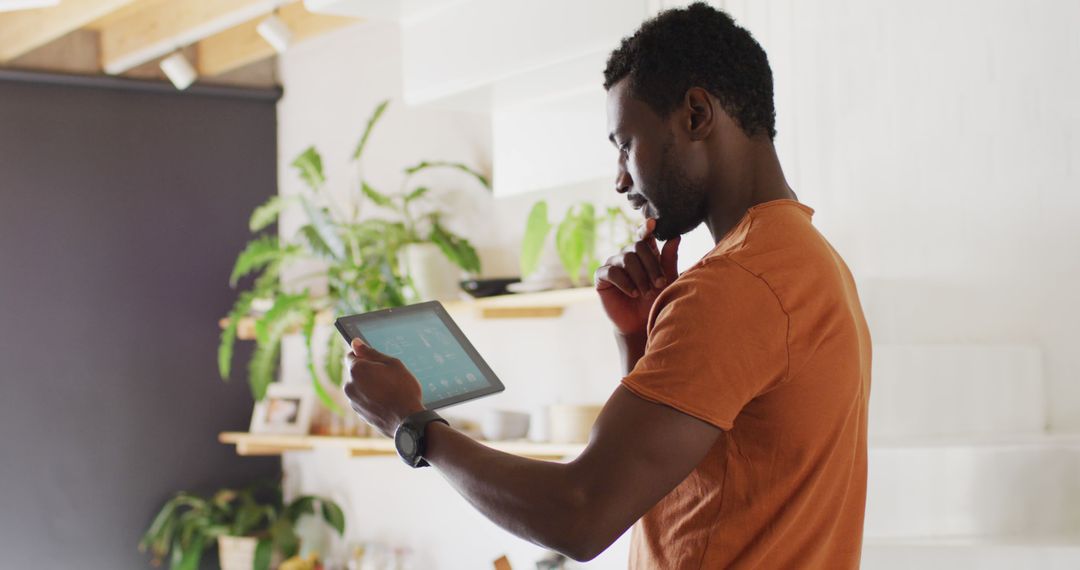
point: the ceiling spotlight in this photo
(179, 70)
(10, 5)
(276, 33)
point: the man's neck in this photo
(749, 177)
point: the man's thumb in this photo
(669, 258)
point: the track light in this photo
(275, 32)
(12, 5)
(179, 70)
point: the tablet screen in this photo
(429, 344)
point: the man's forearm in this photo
(631, 348)
(537, 500)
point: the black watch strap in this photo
(417, 423)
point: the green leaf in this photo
(333, 516)
(228, 334)
(455, 165)
(192, 555)
(374, 195)
(264, 550)
(375, 116)
(284, 537)
(320, 390)
(268, 213)
(324, 229)
(536, 231)
(335, 359)
(415, 194)
(258, 254)
(309, 165)
(269, 330)
(456, 249)
(572, 239)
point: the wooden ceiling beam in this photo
(24, 30)
(158, 27)
(242, 45)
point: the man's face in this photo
(652, 165)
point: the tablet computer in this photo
(432, 347)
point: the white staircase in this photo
(962, 471)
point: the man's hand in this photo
(630, 281)
(381, 390)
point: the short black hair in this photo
(697, 46)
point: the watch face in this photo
(405, 441)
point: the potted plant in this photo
(251, 526)
(576, 238)
(359, 257)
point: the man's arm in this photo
(639, 451)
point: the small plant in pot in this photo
(576, 238)
(252, 527)
(359, 257)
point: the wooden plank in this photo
(242, 45)
(271, 444)
(24, 30)
(158, 27)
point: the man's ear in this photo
(702, 113)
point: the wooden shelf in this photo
(252, 444)
(545, 304)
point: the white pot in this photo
(238, 553)
(433, 275)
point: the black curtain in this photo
(122, 208)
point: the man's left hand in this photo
(381, 389)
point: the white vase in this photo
(433, 275)
(238, 553)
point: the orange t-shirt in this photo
(765, 339)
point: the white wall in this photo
(331, 84)
(940, 144)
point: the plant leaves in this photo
(333, 515)
(269, 212)
(258, 254)
(335, 360)
(455, 165)
(191, 556)
(264, 550)
(536, 231)
(570, 243)
(320, 390)
(228, 334)
(309, 166)
(417, 193)
(375, 116)
(269, 330)
(324, 229)
(374, 195)
(456, 249)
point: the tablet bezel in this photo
(495, 385)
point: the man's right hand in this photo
(630, 281)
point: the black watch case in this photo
(409, 437)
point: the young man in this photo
(737, 438)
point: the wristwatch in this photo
(409, 437)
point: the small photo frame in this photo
(286, 409)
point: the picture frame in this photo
(286, 410)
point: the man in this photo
(737, 438)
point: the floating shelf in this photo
(545, 304)
(253, 444)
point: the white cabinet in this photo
(536, 67)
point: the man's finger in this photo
(669, 258)
(611, 276)
(650, 260)
(365, 352)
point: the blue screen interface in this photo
(429, 350)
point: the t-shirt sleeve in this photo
(717, 339)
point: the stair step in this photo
(946, 390)
(1008, 554)
(974, 487)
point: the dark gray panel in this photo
(120, 215)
